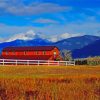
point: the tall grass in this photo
(51, 83)
(86, 88)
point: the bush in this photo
(88, 61)
(81, 62)
(93, 60)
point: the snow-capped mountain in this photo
(29, 35)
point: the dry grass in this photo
(47, 71)
(50, 83)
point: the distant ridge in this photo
(92, 50)
(76, 42)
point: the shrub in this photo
(88, 61)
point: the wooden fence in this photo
(35, 62)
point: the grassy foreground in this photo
(49, 82)
(48, 71)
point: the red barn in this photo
(32, 53)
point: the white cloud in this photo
(52, 32)
(46, 21)
(53, 39)
(56, 38)
(1, 40)
(20, 8)
(68, 35)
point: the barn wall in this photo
(28, 54)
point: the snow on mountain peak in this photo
(24, 36)
(30, 35)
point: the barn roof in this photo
(30, 48)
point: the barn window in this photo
(37, 52)
(25, 52)
(13, 52)
(54, 53)
(44, 52)
(6, 53)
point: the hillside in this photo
(76, 42)
(92, 49)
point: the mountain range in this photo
(76, 42)
(79, 45)
(91, 50)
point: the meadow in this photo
(50, 82)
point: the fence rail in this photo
(35, 62)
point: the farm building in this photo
(32, 53)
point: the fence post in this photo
(58, 63)
(27, 62)
(3, 62)
(16, 62)
(48, 62)
(74, 63)
(66, 63)
(38, 62)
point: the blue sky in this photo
(52, 18)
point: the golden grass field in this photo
(49, 82)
